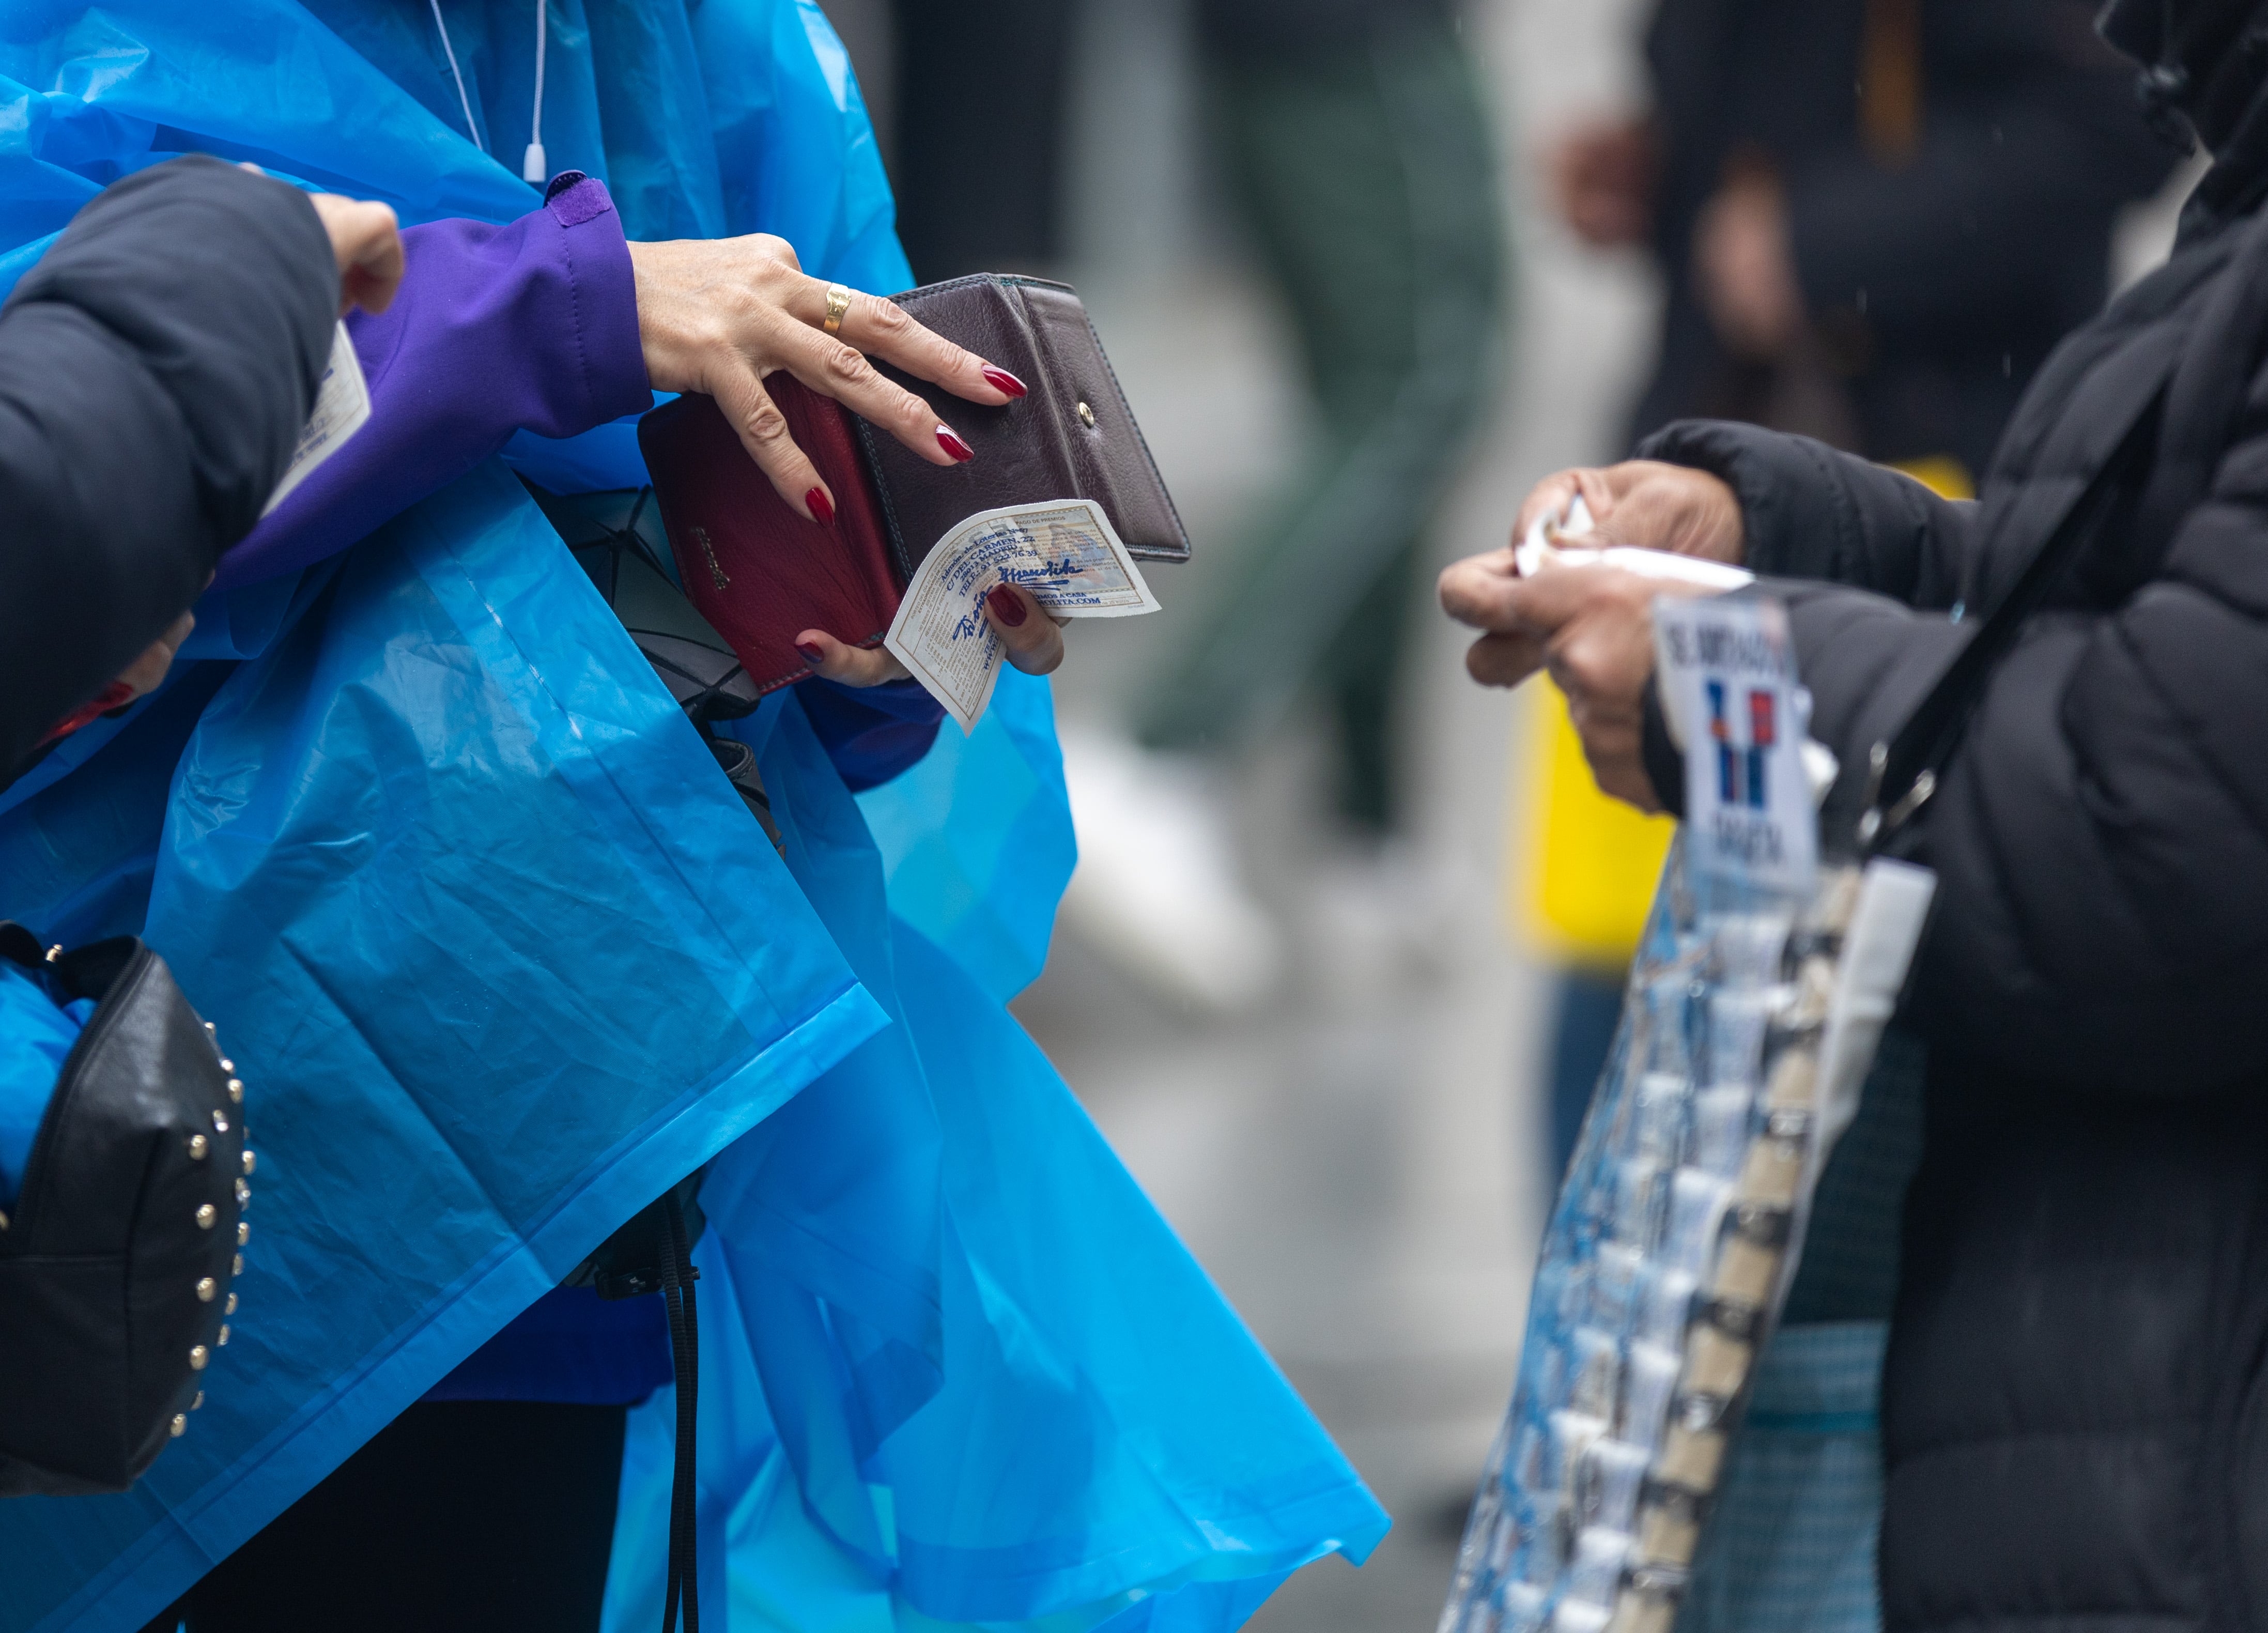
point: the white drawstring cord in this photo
(471, 129)
(532, 168)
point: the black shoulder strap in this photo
(1903, 772)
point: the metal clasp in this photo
(1877, 820)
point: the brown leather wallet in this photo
(761, 574)
(1074, 437)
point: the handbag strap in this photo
(1902, 772)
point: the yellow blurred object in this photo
(1588, 864)
(1941, 473)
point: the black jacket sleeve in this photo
(156, 369)
(1812, 512)
(2101, 839)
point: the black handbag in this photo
(118, 1259)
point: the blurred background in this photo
(1337, 970)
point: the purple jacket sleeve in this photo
(529, 326)
(532, 325)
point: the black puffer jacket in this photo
(2075, 1410)
(156, 368)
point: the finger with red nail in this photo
(720, 316)
(1032, 639)
(831, 659)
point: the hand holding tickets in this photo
(1545, 547)
(1063, 552)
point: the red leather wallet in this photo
(756, 570)
(762, 574)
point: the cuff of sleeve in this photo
(605, 285)
(909, 701)
(871, 733)
(1798, 521)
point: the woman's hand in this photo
(716, 315)
(1033, 639)
(1592, 628)
(1649, 503)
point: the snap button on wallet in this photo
(762, 574)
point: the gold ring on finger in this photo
(838, 302)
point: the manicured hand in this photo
(1649, 503)
(1591, 629)
(717, 315)
(1033, 639)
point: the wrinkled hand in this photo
(1601, 177)
(1649, 503)
(1033, 639)
(1744, 270)
(1592, 628)
(716, 315)
(367, 241)
(365, 237)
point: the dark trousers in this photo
(1366, 174)
(489, 1515)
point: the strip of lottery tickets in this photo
(1064, 551)
(341, 409)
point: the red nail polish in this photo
(820, 506)
(811, 654)
(1005, 605)
(117, 695)
(1002, 381)
(954, 446)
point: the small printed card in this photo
(1728, 681)
(1064, 551)
(341, 409)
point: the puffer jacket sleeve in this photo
(2102, 837)
(156, 367)
(1812, 512)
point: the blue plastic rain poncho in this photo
(500, 954)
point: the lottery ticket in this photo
(1557, 541)
(1064, 551)
(341, 409)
